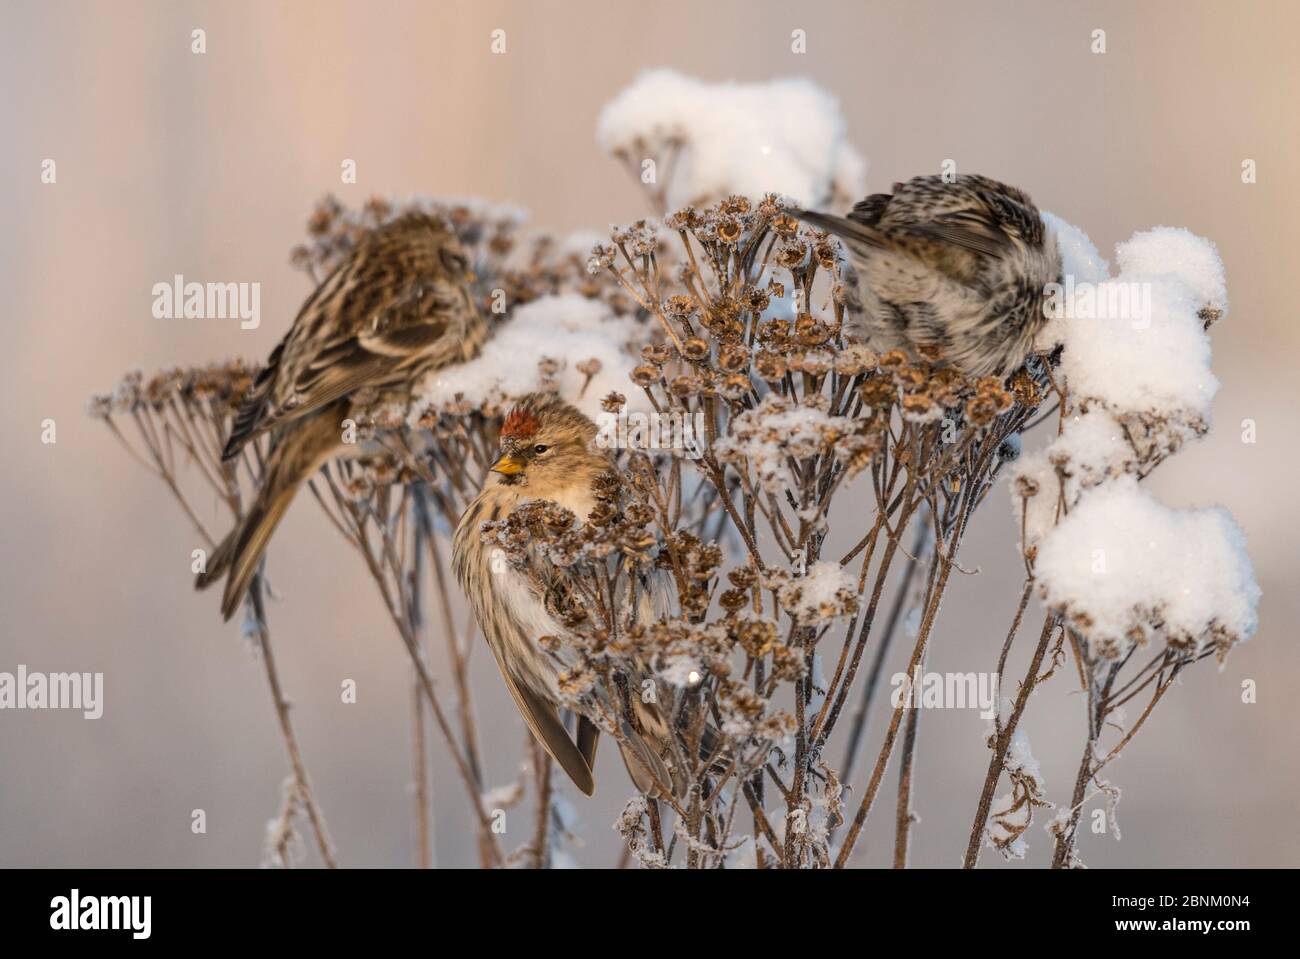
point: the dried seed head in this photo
(729, 230)
(809, 332)
(645, 376)
(696, 350)
(770, 366)
(683, 386)
(982, 410)
(792, 255)
(919, 408)
(656, 354)
(755, 300)
(733, 358)
(785, 225)
(815, 363)
(878, 393)
(742, 577)
(854, 359)
(736, 205)
(756, 637)
(774, 331)
(893, 360)
(912, 378)
(681, 307)
(735, 386)
(1026, 390)
(1026, 486)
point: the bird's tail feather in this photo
(844, 227)
(650, 752)
(238, 555)
(291, 461)
(254, 533)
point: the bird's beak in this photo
(508, 465)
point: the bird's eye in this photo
(540, 448)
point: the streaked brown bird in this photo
(547, 454)
(398, 307)
(954, 272)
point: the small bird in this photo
(398, 307)
(546, 454)
(952, 272)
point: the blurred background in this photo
(208, 165)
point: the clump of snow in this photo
(1079, 256)
(503, 797)
(784, 136)
(778, 430)
(1136, 342)
(1152, 360)
(1124, 568)
(1020, 759)
(1091, 448)
(544, 343)
(1135, 366)
(681, 670)
(1178, 252)
(825, 592)
(1013, 813)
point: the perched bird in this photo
(955, 273)
(546, 454)
(398, 307)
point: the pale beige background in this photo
(207, 165)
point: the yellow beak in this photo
(508, 465)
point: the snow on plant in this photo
(1126, 571)
(765, 646)
(584, 349)
(1140, 590)
(693, 142)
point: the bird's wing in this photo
(390, 303)
(544, 723)
(869, 211)
(951, 249)
(965, 232)
(588, 740)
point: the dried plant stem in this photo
(542, 818)
(1064, 848)
(385, 566)
(457, 653)
(160, 463)
(1090, 765)
(415, 616)
(859, 722)
(945, 554)
(1003, 741)
(903, 814)
(425, 681)
(305, 794)
(420, 761)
